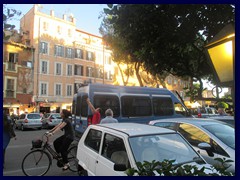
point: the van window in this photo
(107, 101)
(179, 109)
(133, 106)
(84, 106)
(73, 107)
(162, 106)
(78, 109)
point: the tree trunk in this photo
(137, 67)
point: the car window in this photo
(161, 146)
(203, 110)
(114, 149)
(169, 125)
(223, 132)
(195, 136)
(93, 139)
(179, 109)
(33, 116)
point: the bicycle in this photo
(38, 161)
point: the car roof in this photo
(195, 121)
(135, 129)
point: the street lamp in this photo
(221, 55)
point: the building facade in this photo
(17, 77)
(65, 58)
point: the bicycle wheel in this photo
(36, 163)
(72, 152)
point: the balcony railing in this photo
(11, 66)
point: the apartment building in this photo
(65, 58)
(17, 77)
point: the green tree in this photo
(167, 37)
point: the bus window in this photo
(163, 106)
(107, 101)
(84, 106)
(133, 106)
(78, 106)
(179, 109)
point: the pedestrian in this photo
(96, 112)
(8, 133)
(109, 117)
(62, 143)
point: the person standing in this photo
(8, 133)
(96, 112)
(109, 117)
(62, 143)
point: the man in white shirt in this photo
(109, 117)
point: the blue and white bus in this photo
(129, 104)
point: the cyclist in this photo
(62, 143)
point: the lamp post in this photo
(221, 54)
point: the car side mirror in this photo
(120, 167)
(207, 147)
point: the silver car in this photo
(211, 138)
(50, 120)
(31, 120)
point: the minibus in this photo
(129, 104)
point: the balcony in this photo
(11, 66)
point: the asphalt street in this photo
(17, 149)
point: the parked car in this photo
(219, 136)
(50, 120)
(31, 120)
(203, 112)
(110, 149)
(227, 119)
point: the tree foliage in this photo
(166, 37)
(8, 14)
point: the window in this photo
(44, 67)
(90, 72)
(162, 106)
(90, 56)
(108, 75)
(58, 68)
(114, 150)
(69, 70)
(43, 89)
(59, 29)
(169, 125)
(133, 106)
(82, 106)
(69, 53)
(58, 90)
(179, 109)
(69, 33)
(44, 47)
(10, 88)
(107, 101)
(69, 90)
(45, 26)
(13, 57)
(79, 53)
(99, 73)
(108, 60)
(78, 70)
(93, 139)
(59, 51)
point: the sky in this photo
(86, 14)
